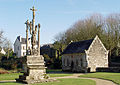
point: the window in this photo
(76, 62)
(24, 53)
(23, 47)
(67, 62)
(81, 62)
(28, 48)
(64, 62)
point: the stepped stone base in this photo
(35, 81)
(34, 70)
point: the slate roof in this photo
(47, 46)
(78, 47)
(18, 38)
(23, 40)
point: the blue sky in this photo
(55, 16)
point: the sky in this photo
(55, 16)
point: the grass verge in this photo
(70, 82)
(12, 76)
(115, 77)
(61, 82)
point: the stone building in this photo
(20, 46)
(48, 50)
(85, 56)
(2, 51)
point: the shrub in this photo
(2, 71)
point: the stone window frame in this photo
(24, 53)
(24, 48)
(64, 62)
(68, 62)
(77, 63)
(81, 60)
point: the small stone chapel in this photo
(84, 56)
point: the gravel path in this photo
(101, 81)
(98, 81)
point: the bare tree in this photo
(107, 28)
(8, 47)
(1, 38)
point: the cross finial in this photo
(33, 9)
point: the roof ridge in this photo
(83, 40)
(78, 47)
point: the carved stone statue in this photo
(35, 49)
(34, 68)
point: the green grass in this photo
(115, 77)
(12, 76)
(53, 70)
(70, 82)
(11, 83)
(59, 75)
(61, 82)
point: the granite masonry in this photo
(85, 56)
(34, 68)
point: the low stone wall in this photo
(110, 69)
(113, 64)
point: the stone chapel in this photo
(84, 56)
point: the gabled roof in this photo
(78, 47)
(22, 40)
(46, 46)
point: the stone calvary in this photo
(34, 68)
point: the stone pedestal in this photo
(34, 70)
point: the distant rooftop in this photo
(22, 40)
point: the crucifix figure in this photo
(34, 67)
(35, 49)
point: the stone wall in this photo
(74, 62)
(97, 55)
(109, 69)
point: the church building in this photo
(84, 56)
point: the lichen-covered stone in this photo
(94, 57)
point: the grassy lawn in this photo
(115, 77)
(70, 82)
(61, 82)
(53, 70)
(59, 75)
(50, 72)
(10, 83)
(12, 76)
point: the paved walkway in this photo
(98, 81)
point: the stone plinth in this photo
(34, 70)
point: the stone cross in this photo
(34, 67)
(33, 32)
